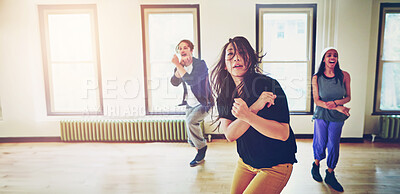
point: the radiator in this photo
(389, 127)
(123, 130)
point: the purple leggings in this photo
(327, 135)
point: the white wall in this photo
(354, 20)
(21, 71)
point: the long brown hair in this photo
(222, 83)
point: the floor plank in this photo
(164, 168)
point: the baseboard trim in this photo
(342, 140)
(308, 136)
(213, 136)
(352, 140)
(376, 138)
(303, 136)
(216, 136)
(29, 139)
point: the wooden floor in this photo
(164, 168)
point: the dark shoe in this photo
(201, 154)
(315, 173)
(330, 179)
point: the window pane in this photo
(174, 28)
(72, 88)
(391, 44)
(70, 58)
(163, 97)
(70, 37)
(390, 88)
(285, 36)
(293, 79)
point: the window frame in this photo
(311, 39)
(384, 8)
(43, 12)
(164, 8)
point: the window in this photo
(286, 33)
(71, 59)
(387, 83)
(163, 27)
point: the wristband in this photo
(335, 103)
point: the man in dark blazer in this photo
(197, 95)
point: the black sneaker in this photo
(201, 154)
(315, 173)
(330, 179)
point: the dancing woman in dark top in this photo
(253, 110)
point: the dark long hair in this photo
(222, 83)
(338, 72)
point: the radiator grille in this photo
(123, 130)
(390, 127)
